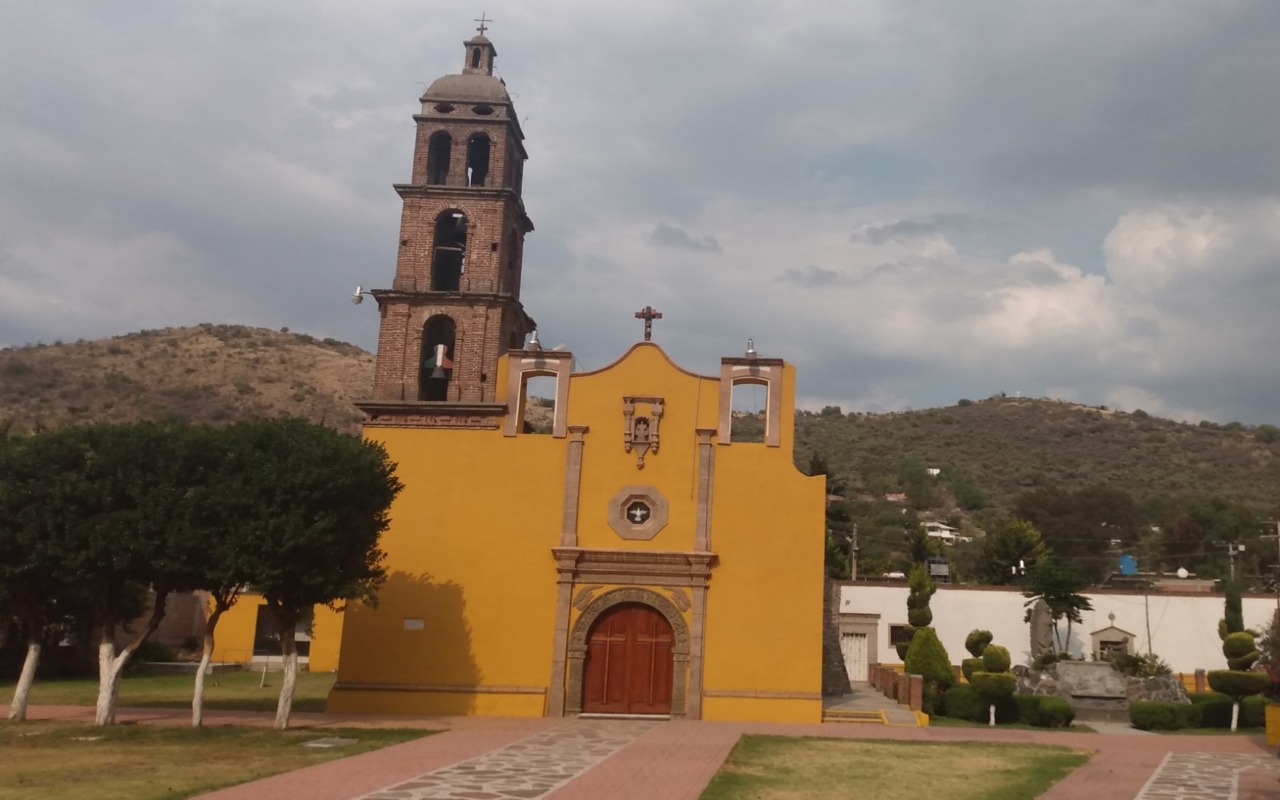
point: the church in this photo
(602, 547)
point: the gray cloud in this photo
(1076, 199)
(665, 235)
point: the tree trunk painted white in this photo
(991, 718)
(110, 668)
(289, 680)
(111, 665)
(206, 656)
(22, 692)
(1235, 715)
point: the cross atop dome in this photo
(482, 22)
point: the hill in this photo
(1007, 445)
(206, 373)
(987, 454)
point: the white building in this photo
(1182, 627)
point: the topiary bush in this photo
(928, 658)
(970, 666)
(977, 641)
(1155, 715)
(903, 646)
(962, 702)
(995, 659)
(921, 588)
(1240, 650)
(993, 687)
(1253, 711)
(1238, 685)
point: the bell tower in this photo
(454, 305)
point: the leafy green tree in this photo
(928, 658)
(1014, 543)
(1080, 526)
(309, 505)
(31, 586)
(112, 501)
(1058, 584)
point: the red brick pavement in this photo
(677, 759)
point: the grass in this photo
(69, 761)
(226, 691)
(783, 768)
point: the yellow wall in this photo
(469, 554)
(233, 638)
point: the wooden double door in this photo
(629, 664)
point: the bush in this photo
(1213, 709)
(970, 666)
(977, 641)
(1140, 666)
(995, 659)
(151, 650)
(1240, 650)
(1237, 684)
(1155, 715)
(1253, 711)
(1044, 711)
(962, 702)
(928, 658)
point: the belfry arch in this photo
(577, 654)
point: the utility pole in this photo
(1233, 550)
(853, 553)
(1276, 571)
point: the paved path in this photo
(548, 759)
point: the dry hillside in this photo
(206, 373)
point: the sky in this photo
(913, 201)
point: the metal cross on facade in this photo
(482, 22)
(648, 314)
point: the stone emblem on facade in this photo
(637, 512)
(643, 417)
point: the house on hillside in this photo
(945, 533)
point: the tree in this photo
(928, 658)
(1241, 652)
(1058, 584)
(976, 642)
(920, 588)
(1016, 543)
(117, 506)
(309, 504)
(31, 588)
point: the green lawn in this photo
(66, 761)
(783, 768)
(229, 691)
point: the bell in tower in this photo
(454, 305)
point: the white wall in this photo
(1184, 628)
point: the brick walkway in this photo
(549, 759)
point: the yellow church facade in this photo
(632, 558)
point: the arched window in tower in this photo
(448, 258)
(438, 150)
(475, 58)
(437, 358)
(477, 159)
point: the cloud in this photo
(665, 235)
(912, 204)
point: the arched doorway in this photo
(629, 663)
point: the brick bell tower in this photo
(454, 306)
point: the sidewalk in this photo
(572, 759)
